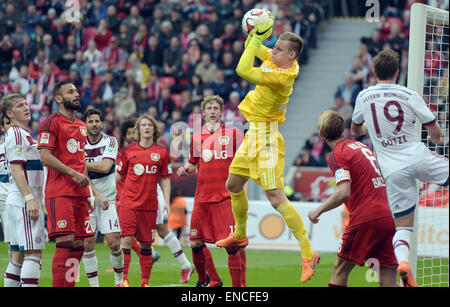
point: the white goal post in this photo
(428, 75)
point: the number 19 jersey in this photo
(390, 111)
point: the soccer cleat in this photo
(126, 283)
(110, 270)
(145, 285)
(231, 241)
(215, 284)
(120, 285)
(155, 256)
(186, 275)
(405, 272)
(204, 284)
(309, 267)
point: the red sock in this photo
(210, 267)
(146, 261)
(234, 266)
(243, 267)
(198, 257)
(77, 253)
(62, 254)
(136, 246)
(126, 262)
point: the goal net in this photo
(428, 75)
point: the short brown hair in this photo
(212, 98)
(330, 125)
(7, 102)
(296, 42)
(386, 64)
(137, 134)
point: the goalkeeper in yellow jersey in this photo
(261, 154)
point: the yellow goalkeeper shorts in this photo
(261, 158)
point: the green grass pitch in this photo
(264, 269)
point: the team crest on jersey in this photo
(45, 138)
(224, 140)
(193, 232)
(83, 131)
(18, 149)
(62, 224)
(155, 157)
(138, 169)
(207, 155)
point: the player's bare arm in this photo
(339, 197)
(164, 182)
(49, 160)
(97, 194)
(117, 176)
(187, 169)
(18, 174)
(102, 167)
(435, 133)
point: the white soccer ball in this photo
(253, 18)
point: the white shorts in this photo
(105, 221)
(160, 217)
(401, 186)
(25, 234)
(4, 221)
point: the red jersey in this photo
(355, 162)
(142, 169)
(213, 153)
(66, 140)
(119, 184)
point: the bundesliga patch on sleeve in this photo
(45, 138)
(342, 175)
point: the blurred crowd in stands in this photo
(136, 56)
(392, 32)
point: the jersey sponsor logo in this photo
(208, 155)
(62, 224)
(45, 138)
(139, 169)
(341, 175)
(73, 146)
(83, 131)
(155, 157)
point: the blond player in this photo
(261, 155)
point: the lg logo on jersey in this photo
(207, 155)
(73, 146)
(139, 169)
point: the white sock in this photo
(91, 268)
(401, 242)
(175, 247)
(31, 272)
(12, 275)
(116, 259)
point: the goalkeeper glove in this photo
(261, 33)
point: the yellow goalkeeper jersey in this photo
(268, 101)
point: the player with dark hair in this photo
(61, 141)
(388, 112)
(360, 186)
(212, 150)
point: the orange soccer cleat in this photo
(309, 267)
(406, 275)
(231, 241)
(215, 284)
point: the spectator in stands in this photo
(36, 101)
(301, 27)
(348, 90)
(220, 86)
(153, 54)
(215, 25)
(68, 53)
(204, 37)
(231, 112)
(140, 37)
(154, 87)
(125, 38)
(183, 72)
(243, 87)
(105, 92)
(123, 105)
(102, 35)
(92, 56)
(134, 19)
(304, 158)
(27, 51)
(196, 88)
(194, 51)
(133, 87)
(24, 79)
(6, 52)
(313, 15)
(343, 108)
(35, 67)
(5, 84)
(156, 21)
(359, 73)
(166, 34)
(165, 104)
(111, 56)
(228, 37)
(52, 51)
(80, 64)
(143, 103)
(373, 43)
(59, 32)
(268, 5)
(205, 69)
(186, 35)
(16, 36)
(318, 148)
(10, 18)
(395, 41)
(403, 75)
(31, 18)
(176, 20)
(172, 56)
(87, 94)
(97, 11)
(112, 19)
(217, 51)
(140, 70)
(228, 66)
(82, 37)
(288, 8)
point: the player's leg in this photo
(14, 268)
(126, 243)
(388, 277)
(146, 232)
(89, 257)
(116, 256)
(341, 271)
(234, 265)
(171, 241)
(31, 269)
(146, 262)
(199, 259)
